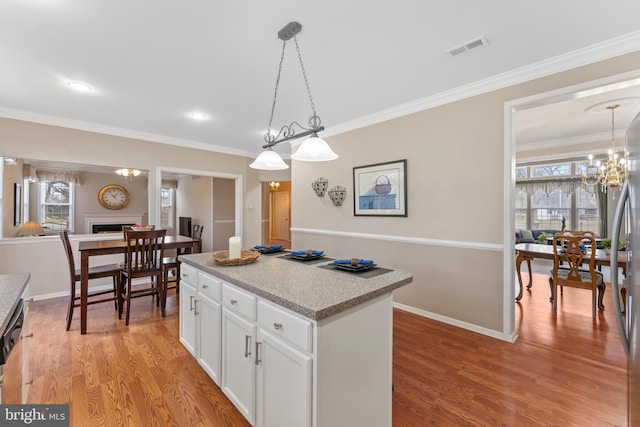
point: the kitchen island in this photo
(293, 343)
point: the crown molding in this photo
(585, 56)
(28, 116)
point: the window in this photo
(166, 212)
(548, 210)
(521, 211)
(56, 207)
(551, 196)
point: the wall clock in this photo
(113, 196)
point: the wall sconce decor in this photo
(320, 186)
(273, 185)
(337, 195)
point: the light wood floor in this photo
(564, 370)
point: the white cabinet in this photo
(284, 393)
(200, 316)
(209, 317)
(238, 366)
(188, 316)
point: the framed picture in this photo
(381, 189)
(17, 204)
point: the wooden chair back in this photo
(574, 256)
(197, 235)
(64, 236)
(197, 231)
(145, 250)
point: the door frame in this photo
(511, 108)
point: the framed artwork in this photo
(17, 204)
(380, 189)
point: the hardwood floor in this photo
(565, 369)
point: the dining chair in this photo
(197, 235)
(171, 265)
(574, 258)
(95, 272)
(145, 251)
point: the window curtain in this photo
(58, 176)
(548, 185)
(170, 184)
(601, 197)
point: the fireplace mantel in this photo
(91, 218)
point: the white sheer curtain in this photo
(58, 176)
(547, 185)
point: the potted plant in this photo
(542, 238)
(606, 244)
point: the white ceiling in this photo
(152, 62)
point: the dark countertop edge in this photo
(14, 294)
(311, 314)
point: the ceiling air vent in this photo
(471, 44)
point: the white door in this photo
(284, 387)
(209, 318)
(187, 317)
(238, 367)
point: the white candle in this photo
(235, 247)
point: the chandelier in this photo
(611, 173)
(128, 173)
(314, 148)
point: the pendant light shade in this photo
(269, 160)
(314, 149)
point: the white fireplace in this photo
(93, 218)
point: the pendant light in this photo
(314, 148)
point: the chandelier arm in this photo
(267, 136)
(292, 135)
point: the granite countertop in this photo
(11, 288)
(313, 292)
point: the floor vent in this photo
(471, 44)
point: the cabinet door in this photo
(284, 381)
(238, 367)
(187, 317)
(209, 319)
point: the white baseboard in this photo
(454, 322)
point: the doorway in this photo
(279, 209)
(586, 93)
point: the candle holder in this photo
(337, 195)
(320, 186)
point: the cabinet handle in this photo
(29, 382)
(258, 359)
(27, 336)
(205, 286)
(277, 326)
(247, 345)
(190, 302)
(29, 300)
(234, 302)
(195, 307)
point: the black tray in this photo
(267, 250)
(350, 267)
(306, 257)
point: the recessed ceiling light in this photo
(196, 115)
(79, 86)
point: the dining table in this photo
(89, 248)
(529, 251)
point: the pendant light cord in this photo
(268, 137)
(314, 120)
